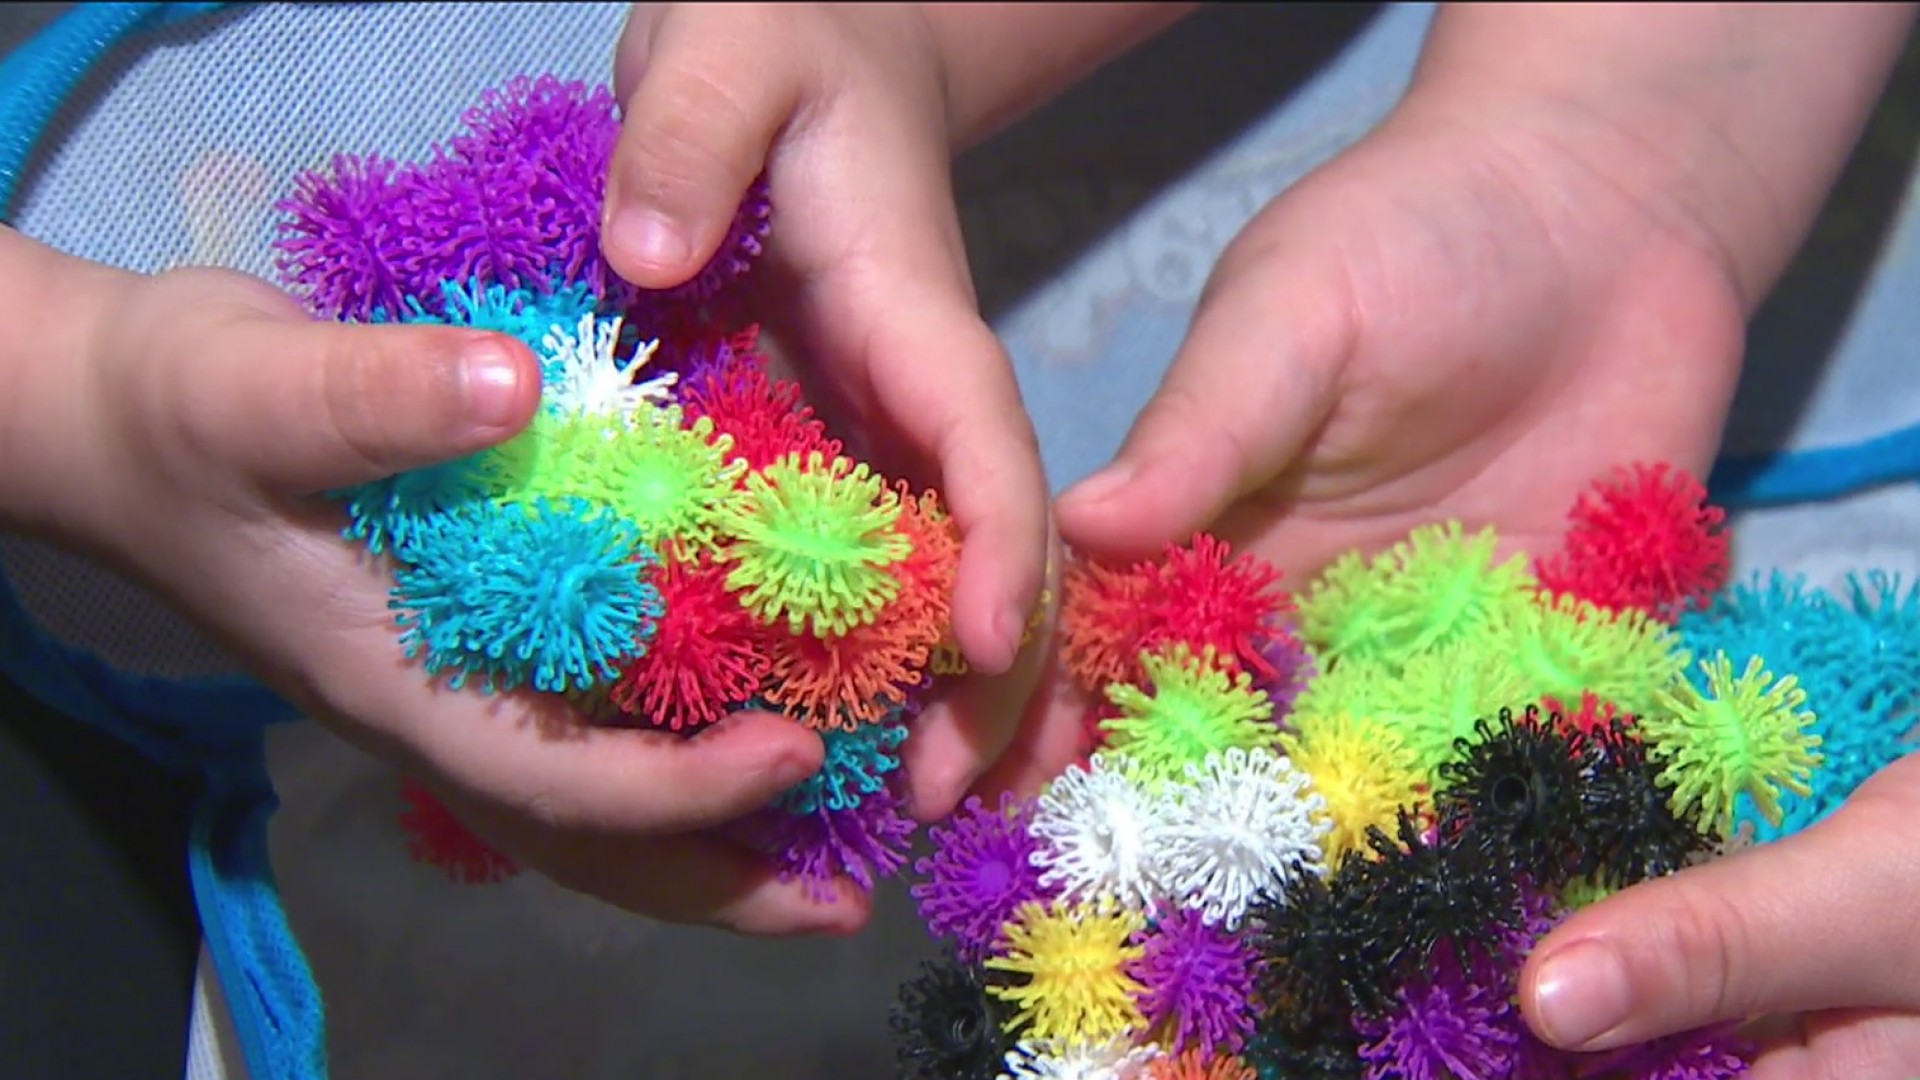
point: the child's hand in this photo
(189, 446)
(1538, 269)
(1467, 315)
(1819, 924)
(866, 290)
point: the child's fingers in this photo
(699, 878)
(1843, 1045)
(942, 377)
(703, 879)
(1820, 920)
(897, 318)
(1250, 385)
(299, 407)
(991, 726)
(530, 756)
(1052, 736)
(572, 777)
(991, 477)
(719, 82)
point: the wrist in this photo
(1561, 151)
(49, 364)
(1728, 122)
(997, 62)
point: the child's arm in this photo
(182, 428)
(1741, 114)
(1001, 61)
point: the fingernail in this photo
(794, 768)
(793, 773)
(650, 238)
(1581, 994)
(490, 378)
(1102, 485)
(837, 913)
(1011, 626)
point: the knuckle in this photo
(175, 429)
(167, 415)
(684, 135)
(1710, 941)
(1179, 407)
(347, 393)
(1184, 416)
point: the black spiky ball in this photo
(947, 1027)
(1328, 1053)
(1515, 791)
(1326, 949)
(1630, 830)
(1440, 890)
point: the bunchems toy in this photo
(1316, 831)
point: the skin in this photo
(179, 428)
(1538, 267)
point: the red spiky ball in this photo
(764, 415)
(436, 838)
(1207, 597)
(707, 655)
(1593, 718)
(928, 572)
(1202, 595)
(1103, 623)
(1645, 539)
(745, 341)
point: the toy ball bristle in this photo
(1318, 828)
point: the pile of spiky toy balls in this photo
(1319, 832)
(1320, 829)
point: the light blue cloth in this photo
(1092, 231)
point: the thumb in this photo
(1252, 381)
(719, 84)
(307, 407)
(1820, 920)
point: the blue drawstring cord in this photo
(1829, 472)
(39, 76)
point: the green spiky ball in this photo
(1747, 734)
(1190, 709)
(673, 480)
(1437, 586)
(813, 539)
